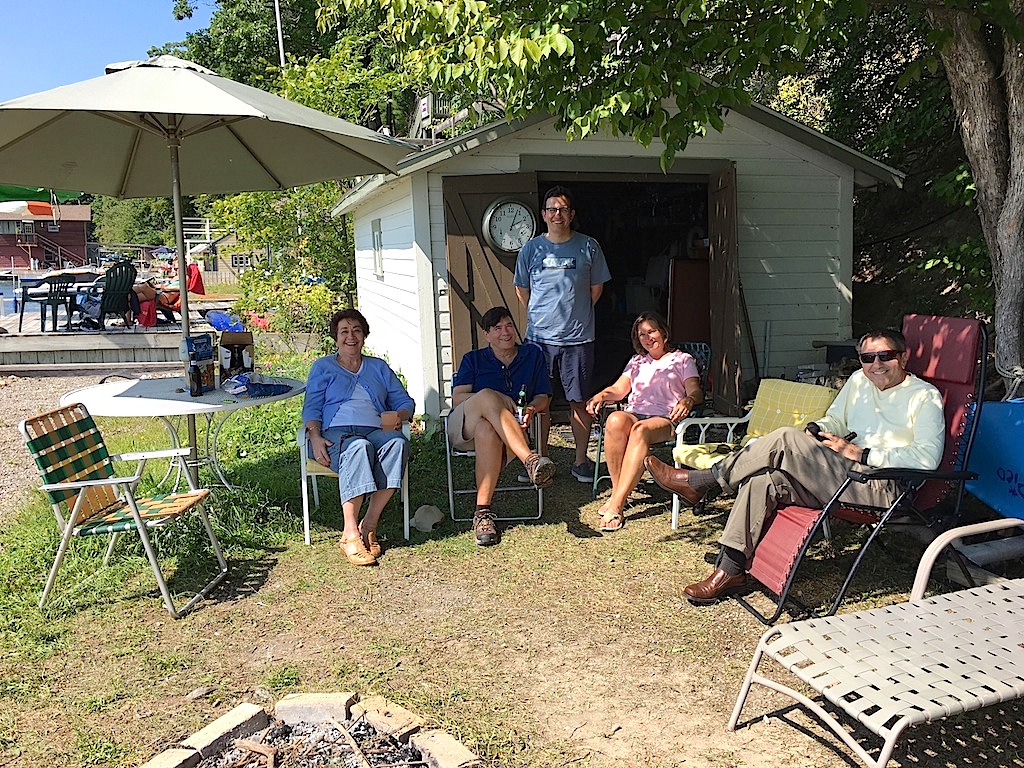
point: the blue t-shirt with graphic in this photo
(559, 276)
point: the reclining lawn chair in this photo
(700, 351)
(950, 354)
(778, 403)
(89, 500)
(892, 667)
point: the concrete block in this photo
(175, 757)
(442, 750)
(241, 722)
(314, 707)
(387, 717)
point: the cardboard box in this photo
(237, 344)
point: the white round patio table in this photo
(168, 398)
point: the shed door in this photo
(479, 278)
(725, 292)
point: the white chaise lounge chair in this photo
(893, 667)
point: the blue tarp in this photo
(998, 457)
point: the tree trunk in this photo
(989, 101)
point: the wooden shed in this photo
(746, 242)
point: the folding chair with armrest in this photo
(311, 471)
(778, 403)
(88, 499)
(701, 353)
(950, 354)
(450, 452)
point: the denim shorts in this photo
(367, 459)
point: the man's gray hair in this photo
(894, 337)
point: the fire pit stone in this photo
(314, 707)
(241, 721)
(438, 749)
(388, 718)
(442, 750)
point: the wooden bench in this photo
(892, 667)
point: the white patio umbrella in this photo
(166, 128)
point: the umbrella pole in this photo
(179, 240)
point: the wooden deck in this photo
(135, 348)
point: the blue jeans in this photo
(367, 459)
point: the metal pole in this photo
(179, 238)
(280, 34)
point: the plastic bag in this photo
(222, 321)
(256, 385)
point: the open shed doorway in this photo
(654, 233)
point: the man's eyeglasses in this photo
(886, 357)
(553, 211)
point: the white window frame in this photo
(377, 237)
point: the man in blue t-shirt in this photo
(559, 277)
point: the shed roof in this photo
(867, 171)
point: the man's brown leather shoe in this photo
(674, 480)
(714, 587)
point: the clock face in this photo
(507, 224)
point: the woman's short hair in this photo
(895, 339)
(493, 316)
(348, 314)
(657, 322)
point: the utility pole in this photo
(280, 33)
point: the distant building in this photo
(32, 237)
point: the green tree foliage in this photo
(144, 221)
(871, 103)
(620, 65)
(667, 70)
(296, 228)
(241, 41)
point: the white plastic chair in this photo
(312, 470)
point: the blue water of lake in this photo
(9, 304)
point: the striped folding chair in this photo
(88, 499)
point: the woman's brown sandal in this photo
(372, 545)
(355, 550)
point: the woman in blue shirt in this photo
(484, 417)
(353, 411)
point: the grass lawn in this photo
(560, 647)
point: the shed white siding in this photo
(401, 325)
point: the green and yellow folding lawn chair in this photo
(778, 403)
(89, 500)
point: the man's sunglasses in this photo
(886, 357)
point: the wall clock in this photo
(508, 223)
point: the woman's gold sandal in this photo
(355, 550)
(611, 521)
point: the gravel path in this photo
(24, 397)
